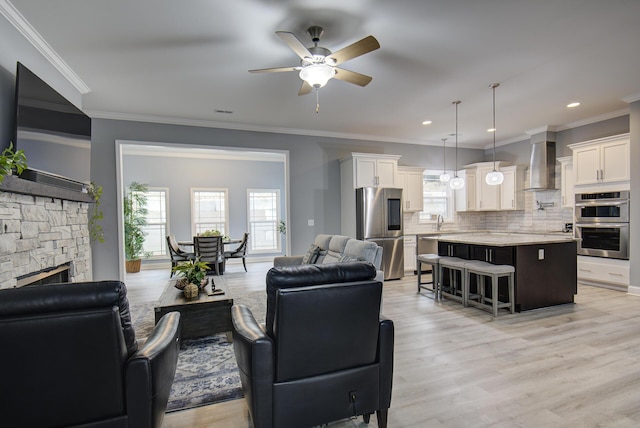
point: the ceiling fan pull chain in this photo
(317, 100)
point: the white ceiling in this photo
(180, 61)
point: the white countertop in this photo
(501, 239)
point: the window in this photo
(264, 209)
(209, 210)
(437, 197)
(155, 241)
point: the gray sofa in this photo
(336, 249)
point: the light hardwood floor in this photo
(567, 366)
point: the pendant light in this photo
(444, 177)
(494, 178)
(457, 182)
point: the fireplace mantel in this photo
(15, 184)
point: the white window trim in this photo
(450, 195)
(278, 218)
(209, 189)
(167, 221)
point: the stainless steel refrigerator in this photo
(379, 219)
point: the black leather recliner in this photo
(325, 353)
(69, 358)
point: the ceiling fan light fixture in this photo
(317, 75)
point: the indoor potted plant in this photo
(135, 211)
(191, 273)
(11, 160)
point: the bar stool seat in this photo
(494, 272)
(434, 261)
(456, 289)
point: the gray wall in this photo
(13, 48)
(314, 173)
(180, 174)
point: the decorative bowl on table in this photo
(181, 283)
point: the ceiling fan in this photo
(318, 65)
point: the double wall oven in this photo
(602, 224)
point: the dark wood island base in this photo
(546, 272)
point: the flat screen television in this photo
(53, 133)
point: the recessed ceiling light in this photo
(427, 122)
(574, 104)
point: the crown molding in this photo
(28, 32)
(631, 98)
(96, 114)
(594, 119)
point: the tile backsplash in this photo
(551, 218)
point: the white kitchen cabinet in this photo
(601, 161)
(409, 253)
(375, 171)
(597, 270)
(363, 170)
(477, 195)
(512, 188)
(466, 197)
(566, 182)
(488, 196)
(411, 179)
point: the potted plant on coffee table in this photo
(191, 276)
(135, 212)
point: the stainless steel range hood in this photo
(542, 166)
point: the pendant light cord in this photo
(444, 155)
(493, 86)
(456, 104)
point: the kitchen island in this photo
(546, 264)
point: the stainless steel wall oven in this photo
(602, 224)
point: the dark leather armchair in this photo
(325, 353)
(70, 358)
(240, 252)
(177, 254)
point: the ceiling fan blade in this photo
(305, 88)
(274, 70)
(352, 77)
(356, 49)
(295, 44)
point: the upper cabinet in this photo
(363, 170)
(512, 189)
(477, 195)
(566, 181)
(371, 170)
(601, 161)
(411, 179)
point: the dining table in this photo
(225, 242)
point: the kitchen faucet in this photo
(439, 222)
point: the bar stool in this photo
(456, 289)
(434, 261)
(494, 272)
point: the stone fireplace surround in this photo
(42, 227)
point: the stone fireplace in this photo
(43, 229)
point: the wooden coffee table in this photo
(202, 316)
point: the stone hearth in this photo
(38, 233)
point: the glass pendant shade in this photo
(456, 183)
(317, 75)
(444, 177)
(494, 178)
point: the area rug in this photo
(207, 372)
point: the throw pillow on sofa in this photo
(311, 255)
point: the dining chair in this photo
(177, 254)
(240, 252)
(210, 249)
